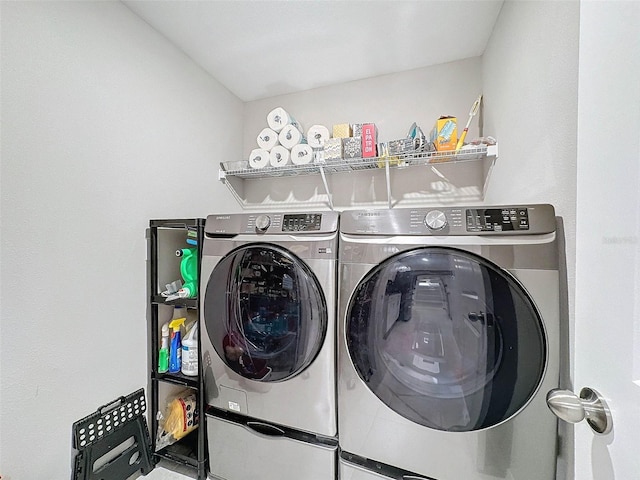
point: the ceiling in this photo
(264, 48)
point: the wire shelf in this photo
(242, 169)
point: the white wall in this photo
(530, 80)
(393, 102)
(105, 125)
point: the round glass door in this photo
(265, 312)
(446, 339)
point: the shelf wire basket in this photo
(410, 159)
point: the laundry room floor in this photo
(168, 471)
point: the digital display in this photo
(304, 222)
(497, 219)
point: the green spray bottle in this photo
(175, 351)
(163, 353)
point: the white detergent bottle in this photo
(190, 352)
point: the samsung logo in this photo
(369, 214)
(223, 217)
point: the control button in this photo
(522, 213)
(263, 222)
(435, 220)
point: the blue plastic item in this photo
(175, 350)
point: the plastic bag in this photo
(179, 419)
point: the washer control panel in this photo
(272, 223)
(301, 222)
(497, 219)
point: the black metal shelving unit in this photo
(165, 237)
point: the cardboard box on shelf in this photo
(444, 135)
(342, 130)
(352, 147)
(369, 140)
(333, 150)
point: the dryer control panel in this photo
(497, 219)
(533, 219)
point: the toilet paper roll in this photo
(290, 136)
(278, 118)
(317, 136)
(301, 154)
(279, 156)
(258, 158)
(267, 139)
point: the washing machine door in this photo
(446, 339)
(265, 312)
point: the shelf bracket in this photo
(388, 176)
(326, 186)
(232, 184)
(492, 155)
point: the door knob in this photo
(590, 405)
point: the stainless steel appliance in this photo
(448, 343)
(268, 344)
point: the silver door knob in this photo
(590, 405)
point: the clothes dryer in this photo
(268, 301)
(448, 343)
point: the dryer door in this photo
(446, 339)
(265, 312)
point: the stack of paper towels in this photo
(281, 142)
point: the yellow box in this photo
(342, 130)
(444, 135)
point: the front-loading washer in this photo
(448, 343)
(269, 286)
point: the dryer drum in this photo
(446, 339)
(265, 312)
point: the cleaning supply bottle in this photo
(190, 352)
(175, 351)
(189, 271)
(163, 354)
